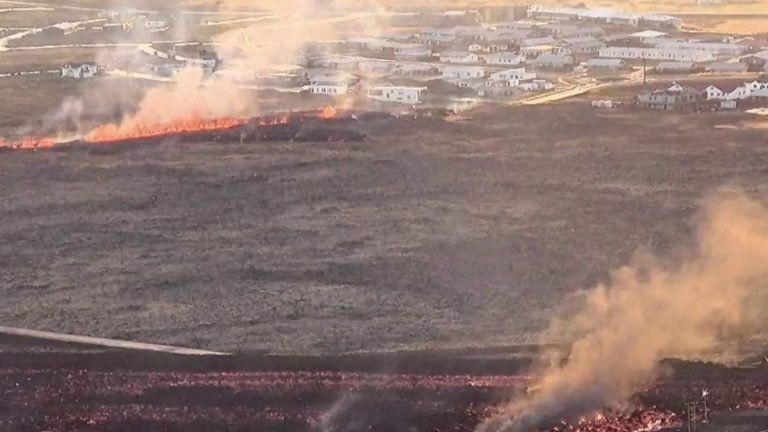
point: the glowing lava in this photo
(29, 144)
(131, 129)
(329, 112)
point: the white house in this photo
(415, 69)
(85, 70)
(603, 15)
(537, 50)
(148, 49)
(745, 91)
(504, 58)
(405, 95)
(332, 85)
(373, 67)
(548, 40)
(537, 85)
(157, 25)
(464, 57)
(676, 67)
(518, 74)
(488, 47)
(605, 64)
(729, 67)
(717, 49)
(204, 63)
(554, 61)
(714, 93)
(584, 45)
(463, 72)
(666, 54)
(413, 52)
(342, 63)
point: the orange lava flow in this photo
(29, 144)
(130, 130)
(111, 132)
(329, 112)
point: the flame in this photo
(111, 132)
(132, 129)
(29, 144)
(329, 113)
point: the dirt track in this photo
(429, 234)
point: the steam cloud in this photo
(650, 311)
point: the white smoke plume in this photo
(273, 40)
(652, 310)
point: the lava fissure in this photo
(201, 128)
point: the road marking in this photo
(103, 342)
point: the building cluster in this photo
(695, 98)
(493, 53)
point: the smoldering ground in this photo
(651, 310)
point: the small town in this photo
(515, 54)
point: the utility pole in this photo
(691, 412)
(645, 71)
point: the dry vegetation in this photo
(431, 234)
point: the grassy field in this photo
(431, 234)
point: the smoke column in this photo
(650, 311)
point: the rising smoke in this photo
(651, 310)
(272, 41)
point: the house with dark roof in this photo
(675, 98)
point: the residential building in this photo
(504, 59)
(341, 63)
(610, 16)
(534, 51)
(85, 70)
(757, 61)
(537, 85)
(415, 69)
(562, 30)
(553, 61)
(675, 98)
(405, 95)
(584, 45)
(676, 67)
(729, 67)
(488, 47)
(605, 103)
(157, 25)
(462, 72)
(331, 84)
(548, 40)
(514, 26)
(605, 64)
(717, 49)
(464, 57)
(373, 67)
(757, 89)
(437, 37)
(519, 74)
(665, 54)
(414, 52)
(497, 91)
(648, 34)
